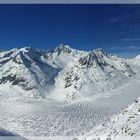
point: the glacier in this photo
(64, 91)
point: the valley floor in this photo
(62, 118)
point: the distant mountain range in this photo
(61, 73)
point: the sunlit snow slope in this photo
(60, 73)
(124, 124)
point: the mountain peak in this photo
(27, 49)
(99, 50)
(63, 48)
(94, 56)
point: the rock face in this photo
(62, 72)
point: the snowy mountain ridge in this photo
(123, 125)
(135, 60)
(62, 72)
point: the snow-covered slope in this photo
(61, 73)
(26, 69)
(108, 81)
(124, 124)
(93, 73)
(135, 60)
(64, 56)
(39, 117)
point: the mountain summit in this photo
(62, 72)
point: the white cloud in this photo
(125, 48)
(131, 39)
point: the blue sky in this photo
(116, 28)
